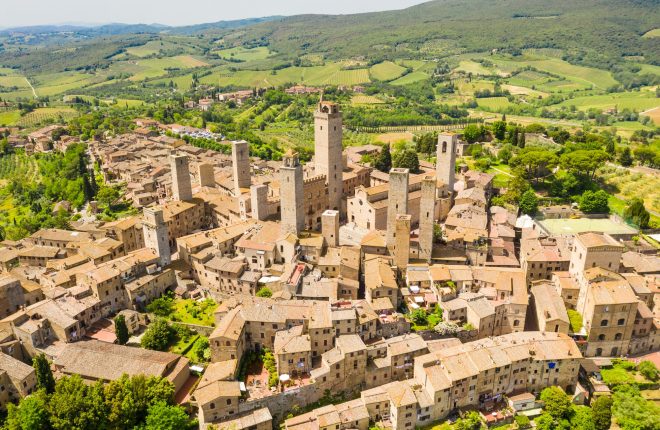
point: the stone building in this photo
(328, 135)
(181, 185)
(240, 155)
(397, 201)
(156, 235)
(291, 194)
(548, 308)
(427, 213)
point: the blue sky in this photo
(174, 12)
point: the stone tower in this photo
(401, 249)
(427, 218)
(445, 165)
(330, 227)
(397, 200)
(181, 187)
(291, 194)
(240, 160)
(155, 234)
(206, 175)
(328, 149)
(259, 201)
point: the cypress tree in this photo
(44, 375)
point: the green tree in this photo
(128, 399)
(626, 157)
(384, 160)
(529, 203)
(648, 370)
(201, 349)
(632, 411)
(121, 330)
(30, 414)
(77, 405)
(162, 416)
(407, 159)
(584, 162)
(602, 412)
(107, 195)
(644, 155)
(582, 418)
(499, 130)
(535, 161)
(162, 306)
(264, 292)
(470, 421)
(636, 213)
(556, 402)
(472, 133)
(44, 374)
(419, 317)
(158, 336)
(594, 202)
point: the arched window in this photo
(444, 147)
(604, 323)
(599, 352)
(516, 323)
(622, 321)
(618, 336)
(601, 337)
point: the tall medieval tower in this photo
(181, 186)
(240, 158)
(291, 194)
(328, 136)
(397, 201)
(427, 218)
(445, 165)
(156, 234)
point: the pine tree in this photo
(121, 330)
(44, 375)
(521, 141)
(384, 160)
(626, 157)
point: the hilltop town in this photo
(340, 296)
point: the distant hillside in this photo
(602, 30)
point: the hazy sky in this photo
(174, 12)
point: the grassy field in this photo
(44, 115)
(639, 101)
(151, 48)
(244, 54)
(493, 103)
(386, 71)
(469, 66)
(653, 33)
(631, 184)
(192, 312)
(9, 117)
(363, 99)
(411, 78)
(599, 78)
(330, 74)
(154, 67)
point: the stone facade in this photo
(397, 201)
(328, 135)
(156, 235)
(291, 194)
(181, 186)
(240, 156)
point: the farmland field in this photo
(44, 115)
(330, 74)
(244, 54)
(386, 71)
(631, 184)
(411, 78)
(473, 67)
(362, 99)
(152, 68)
(151, 48)
(9, 117)
(493, 103)
(652, 33)
(639, 101)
